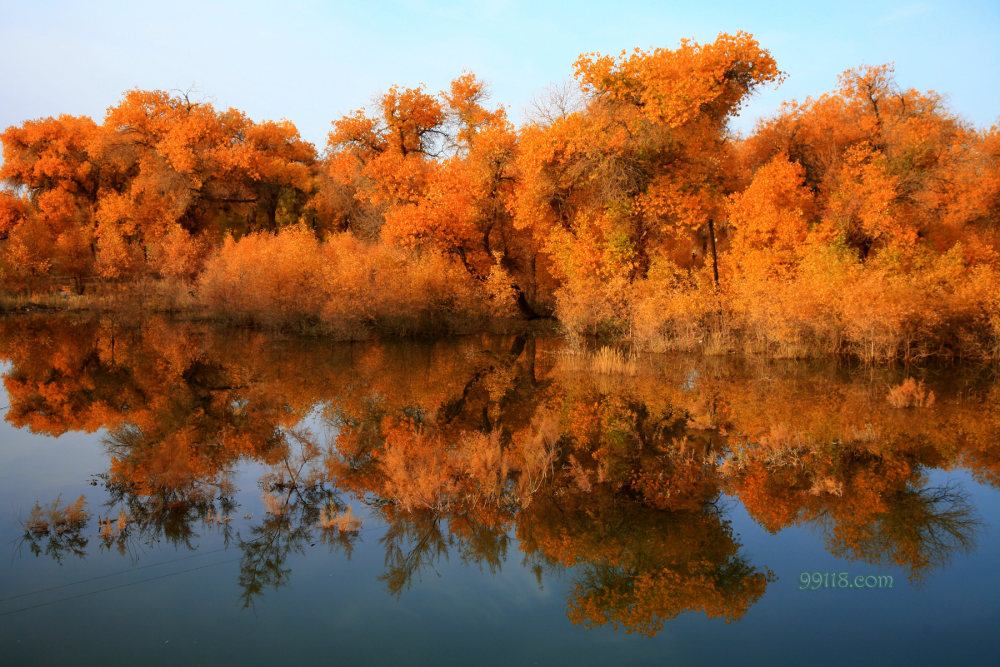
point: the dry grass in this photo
(145, 295)
(910, 393)
(344, 522)
(604, 361)
(57, 518)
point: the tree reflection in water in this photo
(460, 445)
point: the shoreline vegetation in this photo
(624, 211)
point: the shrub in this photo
(342, 285)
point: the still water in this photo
(483, 500)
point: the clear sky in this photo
(312, 62)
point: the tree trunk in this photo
(527, 311)
(715, 257)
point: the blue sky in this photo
(312, 62)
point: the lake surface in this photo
(483, 500)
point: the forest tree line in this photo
(864, 221)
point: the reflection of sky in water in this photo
(950, 614)
(161, 604)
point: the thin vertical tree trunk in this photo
(715, 257)
(715, 274)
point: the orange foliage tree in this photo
(629, 179)
(437, 172)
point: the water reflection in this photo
(487, 447)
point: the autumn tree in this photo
(890, 167)
(771, 218)
(53, 180)
(191, 173)
(632, 177)
(148, 190)
(436, 172)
